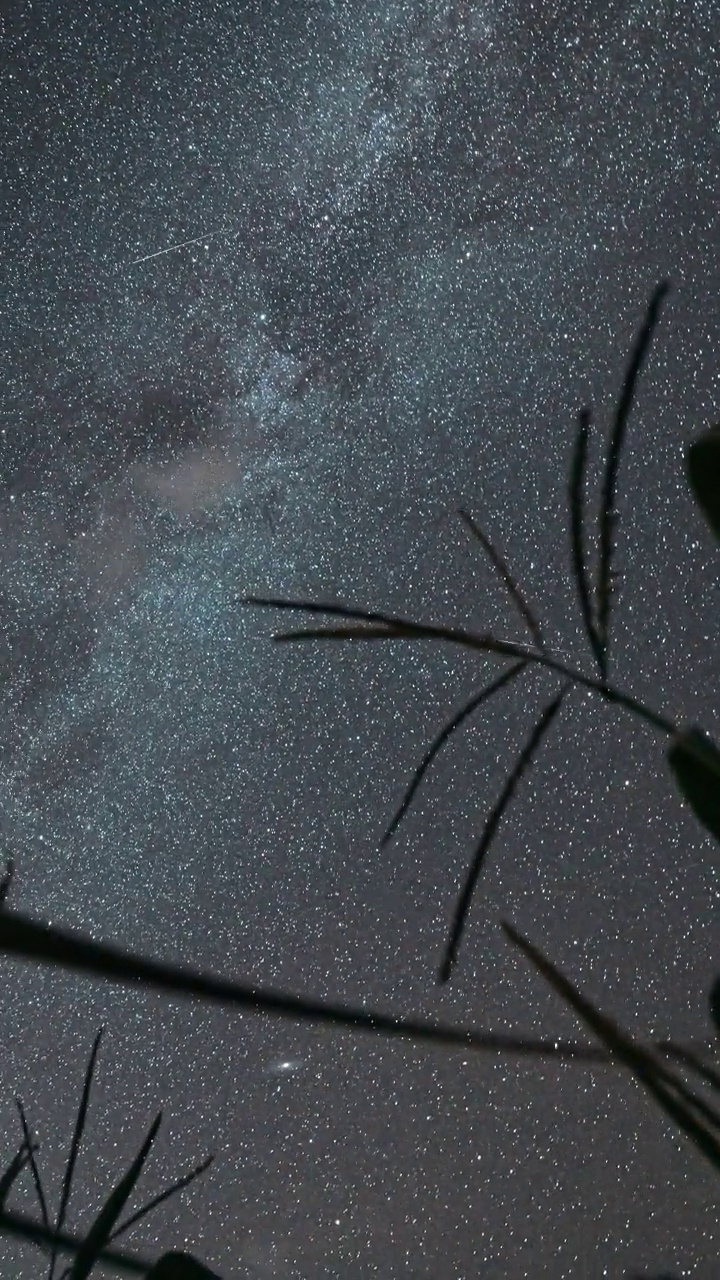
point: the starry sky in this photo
(423, 234)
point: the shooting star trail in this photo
(212, 235)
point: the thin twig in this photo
(609, 487)
(576, 503)
(514, 590)
(521, 765)
(440, 740)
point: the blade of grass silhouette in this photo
(440, 740)
(393, 628)
(23, 1228)
(99, 1233)
(68, 950)
(513, 587)
(609, 485)
(75, 1144)
(13, 1171)
(33, 1165)
(521, 765)
(643, 1065)
(163, 1195)
(576, 504)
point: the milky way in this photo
(413, 239)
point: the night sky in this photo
(424, 235)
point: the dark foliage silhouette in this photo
(682, 1080)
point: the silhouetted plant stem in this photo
(668, 1090)
(23, 1228)
(75, 1144)
(98, 1236)
(576, 504)
(693, 1060)
(473, 875)
(390, 627)
(609, 487)
(438, 742)
(33, 1165)
(32, 940)
(180, 1185)
(513, 587)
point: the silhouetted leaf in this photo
(68, 950)
(576, 503)
(75, 1144)
(702, 460)
(669, 1091)
(13, 1171)
(23, 1228)
(33, 1164)
(666, 1275)
(689, 1058)
(163, 1195)
(695, 763)
(617, 439)
(442, 738)
(180, 1266)
(99, 1233)
(6, 882)
(521, 764)
(514, 590)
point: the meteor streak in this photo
(212, 235)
